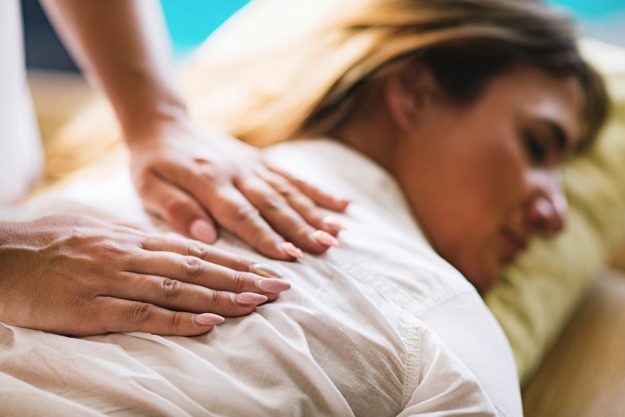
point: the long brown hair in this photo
(464, 42)
(312, 84)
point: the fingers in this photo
(188, 247)
(191, 248)
(303, 205)
(232, 210)
(118, 315)
(321, 198)
(179, 210)
(192, 270)
(286, 221)
(180, 296)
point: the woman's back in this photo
(377, 327)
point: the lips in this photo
(515, 242)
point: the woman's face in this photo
(482, 178)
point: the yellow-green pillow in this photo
(539, 293)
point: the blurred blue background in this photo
(191, 21)
(591, 10)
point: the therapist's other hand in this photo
(81, 276)
(192, 180)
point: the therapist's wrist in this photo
(153, 122)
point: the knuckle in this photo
(194, 267)
(285, 189)
(111, 248)
(140, 312)
(149, 241)
(196, 249)
(170, 288)
(208, 174)
(239, 281)
(246, 214)
(214, 298)
(206, 170)
(290, 193)
(271, 203)
(177, 320)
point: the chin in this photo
(480, 264)
(483, 272)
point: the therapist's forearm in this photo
(124, 45)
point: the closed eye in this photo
(535, 149)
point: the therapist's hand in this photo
(192, 180)
(82, 276)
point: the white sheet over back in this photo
(379, 327)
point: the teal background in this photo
(592, 9)
(191, 21)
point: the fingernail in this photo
(202, 230)
(334, 223)
(266, 270)
(291, 250)
(272, 285)
(250, 298)
(344, 202)
(208, 319)
(325, 238)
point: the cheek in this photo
(462, 191)
(491, 189)
(498, 181)
(489, 181)
(463, 183)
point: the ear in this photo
(408, 93)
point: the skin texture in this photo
(190, 178)
(482, 177)
(81, 276)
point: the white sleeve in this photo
(471, 333)
(445, 386)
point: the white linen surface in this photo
(379, 327)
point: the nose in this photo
(547, 209)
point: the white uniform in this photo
(21, 153)
(379, 327)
